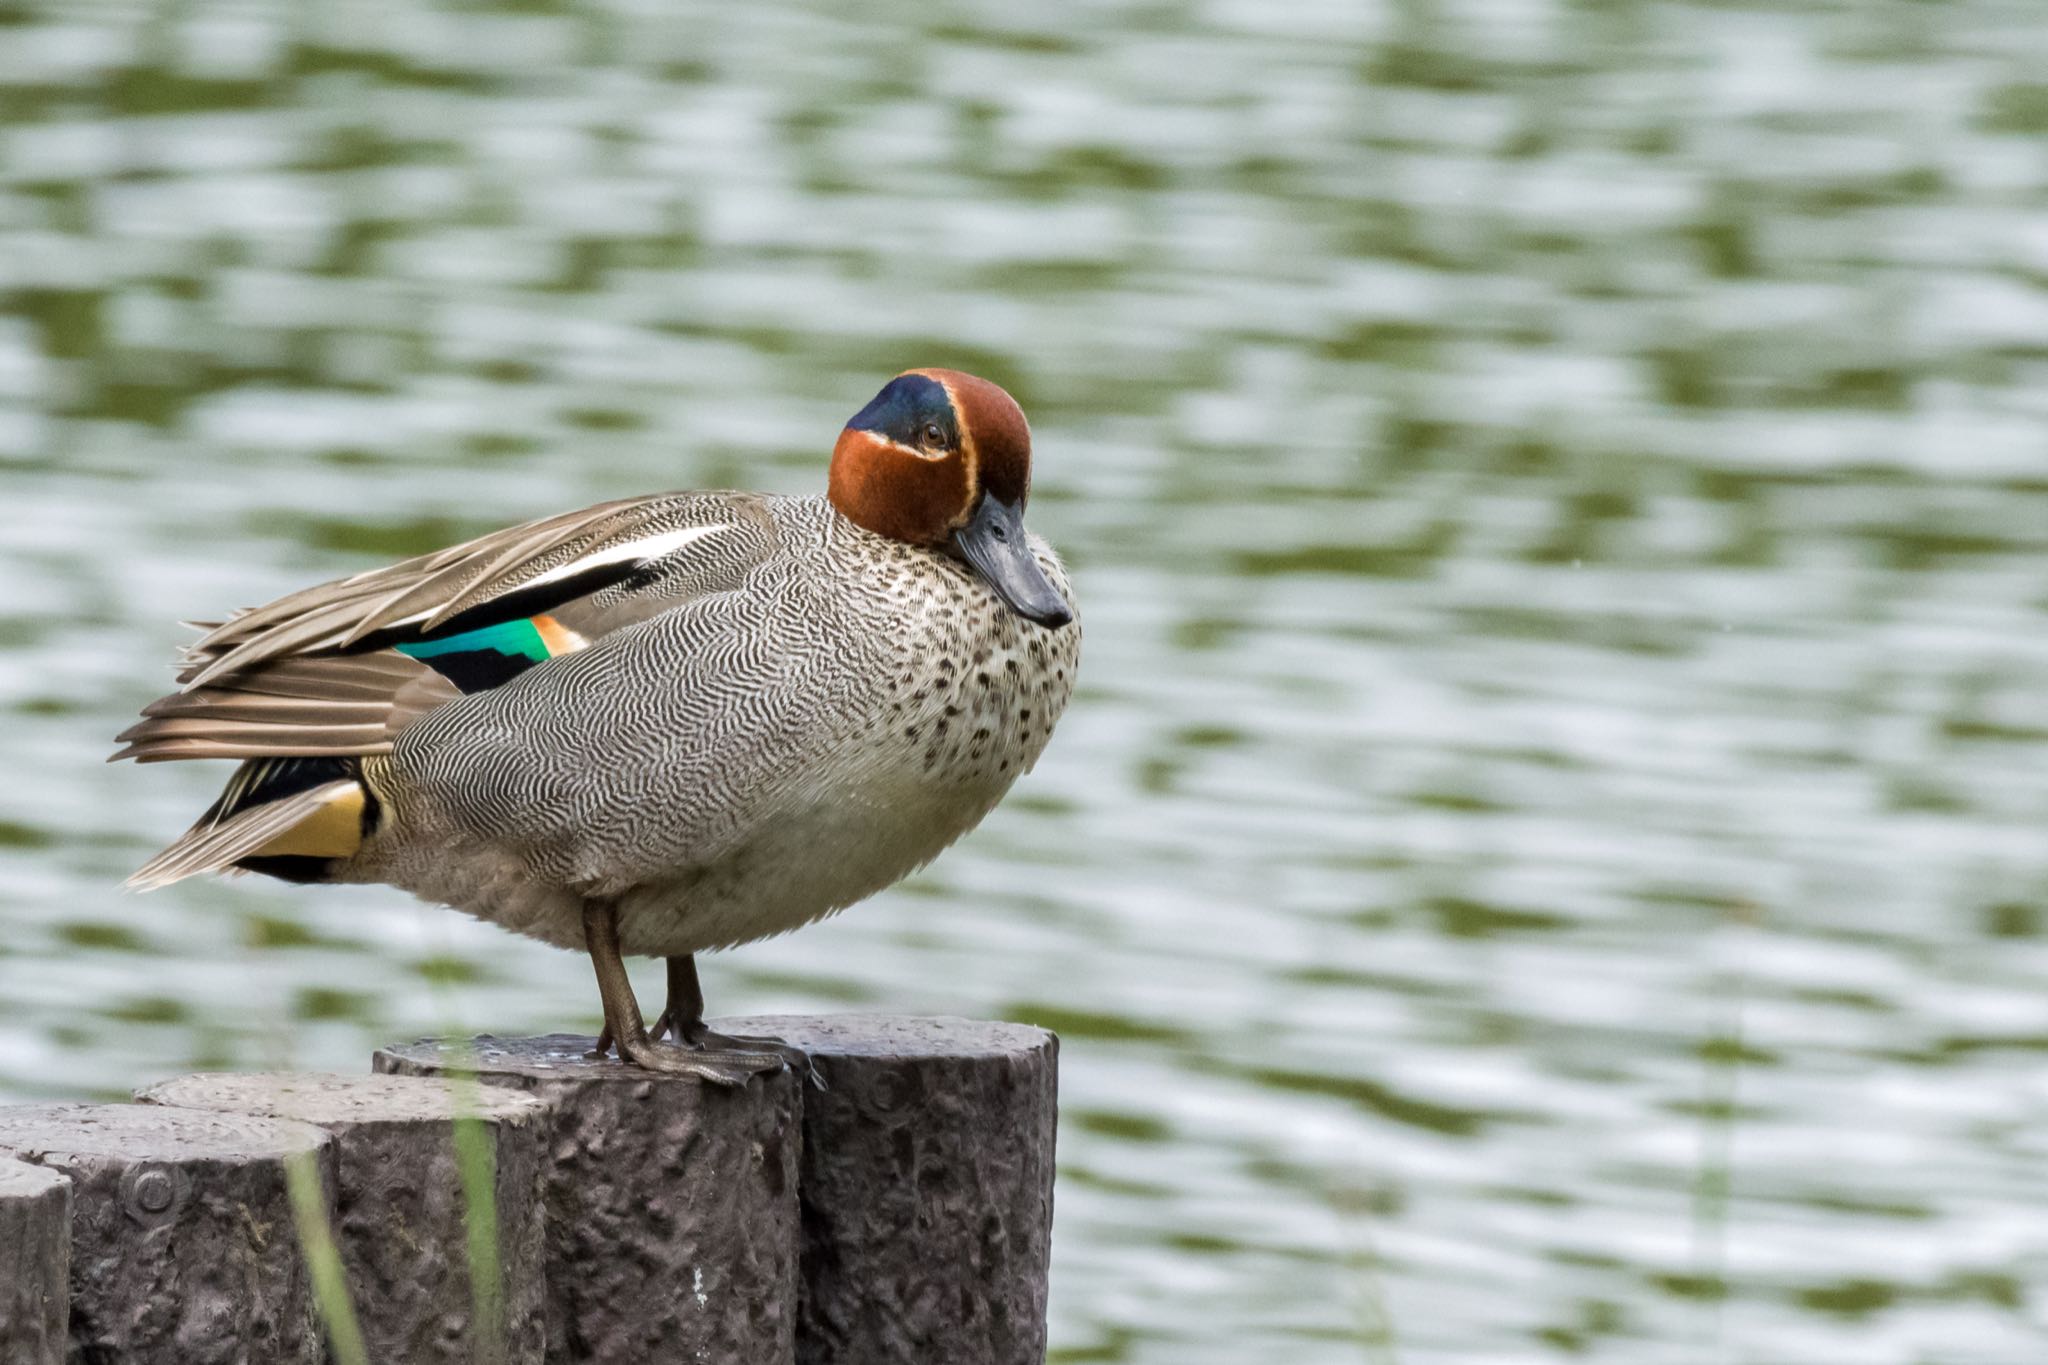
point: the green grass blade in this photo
(476, 1160)
(316, 1239)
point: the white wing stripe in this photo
(642, 551)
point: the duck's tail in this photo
(288, 817)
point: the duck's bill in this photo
(995, 544)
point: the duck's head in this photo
(943, 459)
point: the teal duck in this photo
(660, 725)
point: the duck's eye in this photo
(932, 435)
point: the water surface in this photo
(1547, 858)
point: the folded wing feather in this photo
(417, 592)
(320, 672)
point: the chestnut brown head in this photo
(943, 459)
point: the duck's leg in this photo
(684, 1016)
(624, 1026)
(685, 997)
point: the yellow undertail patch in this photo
(333, 830)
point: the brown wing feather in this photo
(331, 705)
(340, 677)
(549, 543)
(272, 681)
(337, 614)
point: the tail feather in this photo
(341, 706)
(259, 831)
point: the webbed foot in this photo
(719, 1066)
(755, 1045)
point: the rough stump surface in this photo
(183, 1249)
(671, 1204)
(926, 1188)
(35, 1263)
(402, 1219)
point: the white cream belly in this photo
(798, 868)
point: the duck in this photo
(658, 726)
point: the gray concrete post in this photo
(183, 1247)
(35, 1263)
(926, 1188)
(671, 1204)
(403, 1221)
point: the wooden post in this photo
(403, 1217)
(902, 1213)
(671, 1204)
(35, 1263)
(926, 1187)
(183, 1248)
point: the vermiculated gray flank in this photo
(813, 712)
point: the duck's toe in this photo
(795, 1058)
(720, 1066)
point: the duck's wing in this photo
(341, 668)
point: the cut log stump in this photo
(436, 1279)
(35, 1263)
(183, 1247)
(671, 1203)
(926, 1188)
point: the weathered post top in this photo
(340, 1103)
(62, 1135)
(904, 1037)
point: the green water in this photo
(1547, 859)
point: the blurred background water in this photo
(1547, 857)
